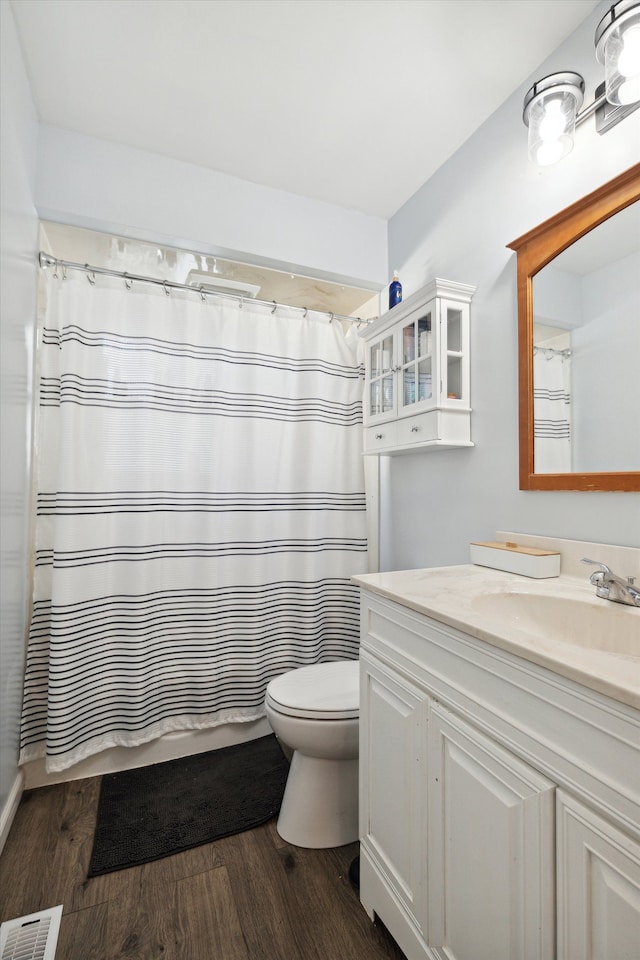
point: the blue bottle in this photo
(395, 291)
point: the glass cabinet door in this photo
(417, 383)
(455, 353)
(425, 355)
(381, 399)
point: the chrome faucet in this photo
(609, 586)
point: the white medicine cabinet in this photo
(417, 372)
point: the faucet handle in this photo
(596, 563)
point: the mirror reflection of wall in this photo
(590, 295)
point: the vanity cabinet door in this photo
(491, 848)
(392, 793)
(598, 886)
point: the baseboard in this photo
(9, 810)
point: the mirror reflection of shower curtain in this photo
(551, 411)
(200, 512)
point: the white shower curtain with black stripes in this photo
(551, 411)
(200, 511)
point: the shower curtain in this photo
(200, 511)
(551, 411)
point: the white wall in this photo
(106, 186)
(456, 226)
(17, 316)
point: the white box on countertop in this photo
(528, 561)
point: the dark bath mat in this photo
(156, 811)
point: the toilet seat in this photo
(324, 691)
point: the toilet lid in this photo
(324, 691)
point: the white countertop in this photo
(461, 596)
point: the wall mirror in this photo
(579, 343)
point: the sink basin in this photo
(593, 624)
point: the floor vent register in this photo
(31, 938)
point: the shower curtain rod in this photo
(46, 260)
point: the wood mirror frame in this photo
(535, 250)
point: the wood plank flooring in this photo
(247, 897)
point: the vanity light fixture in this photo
(552, 105)
(550, 110)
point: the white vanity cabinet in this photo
(499, 802)
(417, 372)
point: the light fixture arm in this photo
(591, 108)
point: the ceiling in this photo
(353, 102)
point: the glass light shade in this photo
(550, 108)
(618, 48)
(552, 121)
(622, 65)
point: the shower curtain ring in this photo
(241, 302)
(275, 306)
(203, 295)
(128, 283)
(91, 277)
(305, 314)
(64, 272)
(166, 289)
(330, 318)
(55, 270)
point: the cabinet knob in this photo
(379, 436)
(414, 429)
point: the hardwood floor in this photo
(247, 897)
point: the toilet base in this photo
(320, 804)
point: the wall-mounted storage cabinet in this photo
(417, 372)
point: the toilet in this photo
(314, 711)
